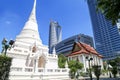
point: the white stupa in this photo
(30, 33)
(31, 57)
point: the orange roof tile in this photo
(84, 49)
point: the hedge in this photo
(5, 63)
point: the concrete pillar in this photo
(84, 62)
(36, 66)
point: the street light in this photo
(97, 71)
(5, 46)
(89, 59)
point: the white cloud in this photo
(8, 22)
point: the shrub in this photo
(5, 63)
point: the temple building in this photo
(85, 54)
(31, 60)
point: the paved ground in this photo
(94, 78)
(103, 79)
(109, 79)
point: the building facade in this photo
(86, 55)
(106, 36)
(55, 35)
(66, 45)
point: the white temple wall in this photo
(82, 58)
(18, 62)
(52, 61)
(27, 73)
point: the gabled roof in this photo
(82, 48)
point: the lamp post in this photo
(5, 46)
(97, 70)
(89, 59)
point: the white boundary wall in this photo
(28, 73)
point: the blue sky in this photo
(72, 15)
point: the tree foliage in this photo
(72, 64)
(115, 63)
(117, 60)
(105, 68)
(74, 67)
(110, 8)
(61, 60)
(5, 63)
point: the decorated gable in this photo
(76, 48)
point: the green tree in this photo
(74, 67)
(5, 63)
(114, 71)
(110, 8)
(61, 60)
(104, 70)
(114, 67)
(117, 60)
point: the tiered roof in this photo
(82, 48)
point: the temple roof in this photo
(82, 48)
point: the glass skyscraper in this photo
(55, 35)
(65, 46)
(106, 36)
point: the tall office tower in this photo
(106, 36)
(55, 35)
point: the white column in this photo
(36, 66)
(101, 61)
(94, 59)
(84, 62)
(97, 60)
(79, 58)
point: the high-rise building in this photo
(106, 36)
(65, 46)
(55, 35)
